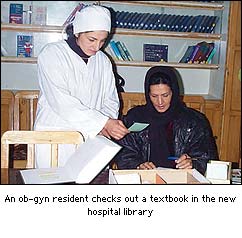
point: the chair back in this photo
(7, 104)
(25, 104)
(30, 138)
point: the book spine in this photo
(156, 23)
(121, 50)
(208, 61)
(179, 25)
(144, 24)
(152, 21)
(134, 15)
(213, 25)
(141, 20)
(123, 19)
(127, 52)
(110, 51)
(167, 20)
(197, 23)
(161, 21)
(196, 49)
(116, 50)
(199, 27)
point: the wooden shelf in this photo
(168, 34)
(33, 60)
(119, 31)
(13, 59)
(31, 28)
(172, 64)
(174, 4)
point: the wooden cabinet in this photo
(231, 123)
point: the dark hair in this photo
(160, 78)
(69, 30)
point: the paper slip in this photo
(138, 127)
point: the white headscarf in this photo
(92, 18)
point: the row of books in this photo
(33, 15)
(201, 53)
(118, 51)
(165, 22)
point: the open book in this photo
(82, 167)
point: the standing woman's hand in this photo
(114, 129)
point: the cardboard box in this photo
(157, 176)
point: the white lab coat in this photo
(73, 95)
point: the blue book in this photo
(162, 19)
(185, 23)
(24, 45)
(178, 25)
(144, 22)
(191, 24)
(141, 20)
(121, 50)
(194, 53)
(197, 23)
(199, 27)
(116, 50)
(119, 16)
(213, 24)
(127, 20)
(157, 22)
(175, 23)
(136, 20)
(130, 58)
(147, 20)
(16, 13)
(204, 24)
(152, 21)
(131, 20)
(167, 20)
(122, 21)
(170, 22)
(155, 53)
(187, 56)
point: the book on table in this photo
(82, 167)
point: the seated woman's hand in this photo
(146, 165)
(184, 162)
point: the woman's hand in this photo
(146, 165)
(184, 162)
(114, 129)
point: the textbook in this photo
(82, 167)
(155, 53)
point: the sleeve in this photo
(203, 146)
(53, 83)
(130, 156)
(111, 99)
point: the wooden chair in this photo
(129, 100)
(30, 138)
(195, 102)
(25, 105)
(7, 105)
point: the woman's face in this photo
(91, 42)
(160, 96)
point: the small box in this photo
(219, 172)
(157, 176)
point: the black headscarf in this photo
(161, 124)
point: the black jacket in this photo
(191, 134)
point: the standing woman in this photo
(77, 85)
(174, 130)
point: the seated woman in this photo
(174, 129)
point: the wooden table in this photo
(15, 177)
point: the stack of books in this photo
(118, 51)
(165, 22)
(201, 53)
